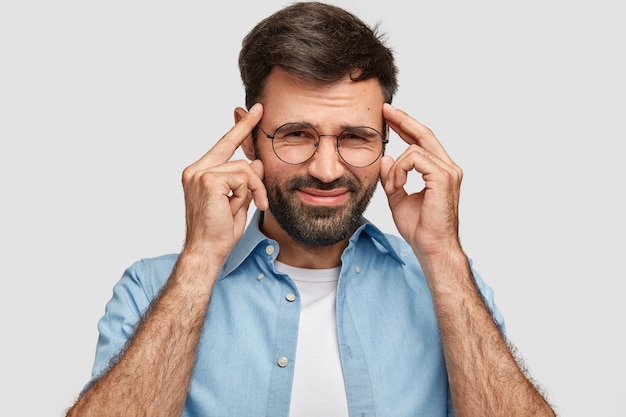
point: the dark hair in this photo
(317, 42)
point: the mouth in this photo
(317, 197)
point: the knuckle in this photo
(240, 165)
(188, 174)
(428, 130)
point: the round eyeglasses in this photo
(296, 143)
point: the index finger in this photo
(225, 148)
(413, 132)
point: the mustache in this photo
(348, 183)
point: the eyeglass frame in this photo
(384, 140)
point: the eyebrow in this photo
(341, 127)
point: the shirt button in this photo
(269, 249)
(290, 297)
(260, 277)
(357, 269)
(283, 361)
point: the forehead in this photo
(290, 98)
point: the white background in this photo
(102, 104)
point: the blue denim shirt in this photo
(389, 343)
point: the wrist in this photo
(198, 268)
(447, 269)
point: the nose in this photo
(326, 165)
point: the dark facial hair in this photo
(317, 226)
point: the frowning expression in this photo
(318, 202)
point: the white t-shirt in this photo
(318, 386)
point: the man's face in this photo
(319, 202)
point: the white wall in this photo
(102, 104)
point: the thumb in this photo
(259, 195)
(385, 172)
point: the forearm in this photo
(152, 376)
(485, 379)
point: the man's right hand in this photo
(152, 376)
(218, 192)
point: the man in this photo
(311, 310)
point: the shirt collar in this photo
(378, 238)
(253, 236)
(250, 239)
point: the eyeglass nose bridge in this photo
(319, 140)
(317, 143)
(338, 152)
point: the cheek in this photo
(368, 175)
(276, 172)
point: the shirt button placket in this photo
(283, 361)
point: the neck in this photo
(298, 255)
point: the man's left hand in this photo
(428, 219)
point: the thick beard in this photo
(317, 226)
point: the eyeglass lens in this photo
(295, 143)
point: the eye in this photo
(351, 136)
(296, 132)
(359, 136)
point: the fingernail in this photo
(255, 109)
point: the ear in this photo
(247, 145)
